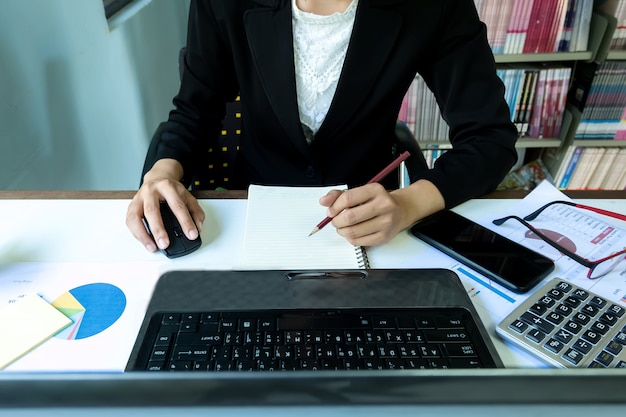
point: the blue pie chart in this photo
(93, 308)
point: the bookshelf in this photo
(596, 45)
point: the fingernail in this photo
(162, 243)
(151, 247)
(193, 234)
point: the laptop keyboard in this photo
(337, 339)
(568, 326)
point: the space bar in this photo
(304, 323)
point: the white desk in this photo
(77, 230)
(89, 228)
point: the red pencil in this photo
(382, 174)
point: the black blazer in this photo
(245, 47)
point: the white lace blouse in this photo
(320, 45)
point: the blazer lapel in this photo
(270, 37)
(269, 31)
(373, 37)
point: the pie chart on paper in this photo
(92, 308)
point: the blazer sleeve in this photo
(462, 76)
(208, 81)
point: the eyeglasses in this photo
(598, 267)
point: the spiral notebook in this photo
(278, 223)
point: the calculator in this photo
(568, 326)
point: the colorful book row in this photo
(536, 99)
(604, 113)
(592, 168)
(536, 26)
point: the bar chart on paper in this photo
(92, 308)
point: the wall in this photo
(79, 102)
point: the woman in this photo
(321, 83)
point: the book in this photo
(278, 223)
(571, 164)
(564, 41)
(602, 169)
(582, 25)
(613, 177)
(582, 171)
(25, 324)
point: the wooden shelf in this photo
(545, 57)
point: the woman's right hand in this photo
(162, 183)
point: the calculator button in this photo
(539, 309)
(564, 310)
(581, 318)
(573, 356)
(590, 310)
(520, 326)
(537, 322)
(599, 328)
(555, 318)
(592, 336)
(613, 347)
(547, 301)
(563, 336)
(556, 293)
(605, 358)
(582, 346)
(564, 286)
(554, 346)
(597, 301)
(572, 301)
(536, 335)
(608, 318)
(580, 294)
(572, 326)
(617, 310)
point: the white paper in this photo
(110, 301)
(278, 223)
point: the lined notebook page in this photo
(278, 223)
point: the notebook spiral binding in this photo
(361, 257)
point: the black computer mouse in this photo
(179, 244)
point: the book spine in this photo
(513, 28)
(565, 38)
(537, 107)
(531, 45)
(545, 27)
(612, 179)
(571, 167)
(558, 26)
(602, 169)
(584, 23)
(529, 102)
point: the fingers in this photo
(365, 216)
(329, 199)
(145, 206)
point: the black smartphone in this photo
(512, 265)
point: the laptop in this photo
(311, 320)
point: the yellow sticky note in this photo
(25, 324)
